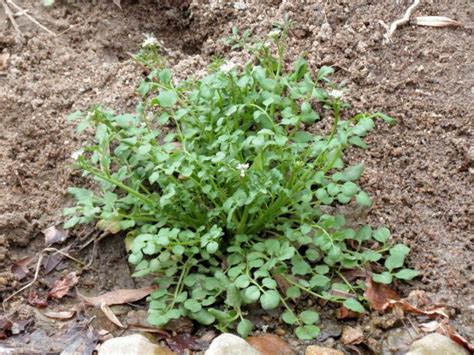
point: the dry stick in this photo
(31, 18)
(38, 265)
(9, 13)
(401, 21)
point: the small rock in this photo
(352, 335)
(318, 350)
(239, 5)
(135, 344)
(230, 344)
(436, 344)
(330, 330)
(270, 344)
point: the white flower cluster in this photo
(75, 155)
(336, 94)
(243, 168)
(227, 67)
(150, 40)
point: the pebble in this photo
(436, 344)
(318, 350)
(230, 344)
(135, 344)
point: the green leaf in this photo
(353, 305)
(323, 72)
(407, 274)
(383, 278)
(244, 328)
(167, 98)
(270, 300)
(394, 261)
(363, 199)
(233, 298)
(349, 174)
(293, 292)
(203, 317)
(382, 234)
(252, 293)
(289, 317)
(242, 281)
(309, 317)
(349, 188)
(320, 281)
(307, 332)
(192, 305)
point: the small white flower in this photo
(336, 94)
(75, 155)
(227, 67)
(242, 168)
(150, 40)
(274, 33)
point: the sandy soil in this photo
(420, 172)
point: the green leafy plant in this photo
(221, 190)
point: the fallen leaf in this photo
(111, 315)
(117, 296)
(61, 287)
(117, 2)
(182, 343)
(270, 344)
(378, 294)
(431, 312)
(142, 329)
(61, 315)
(435, 21)
(20, 267)
(344, 313)
(35, 300)
(352, 335)
(50, 262)
(54, 235)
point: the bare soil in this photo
(420, 172)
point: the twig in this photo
(401, 21)
(31, 18)
(37, 269)
(10, 16)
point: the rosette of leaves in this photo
(220, 190)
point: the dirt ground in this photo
(420, 172)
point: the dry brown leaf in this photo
(270, 344)
(378, 294)
(352, 335)
(61, 287)
(36, 300)
(344, 313)
(117, 296)
(20, 267)
(429, 327)
(110, 315)
(432, 312)
(61, 315)
(54, 235)
(435, 21)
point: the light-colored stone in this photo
(135, 344)
(319, 350)
(436, 344)
(230, 344)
